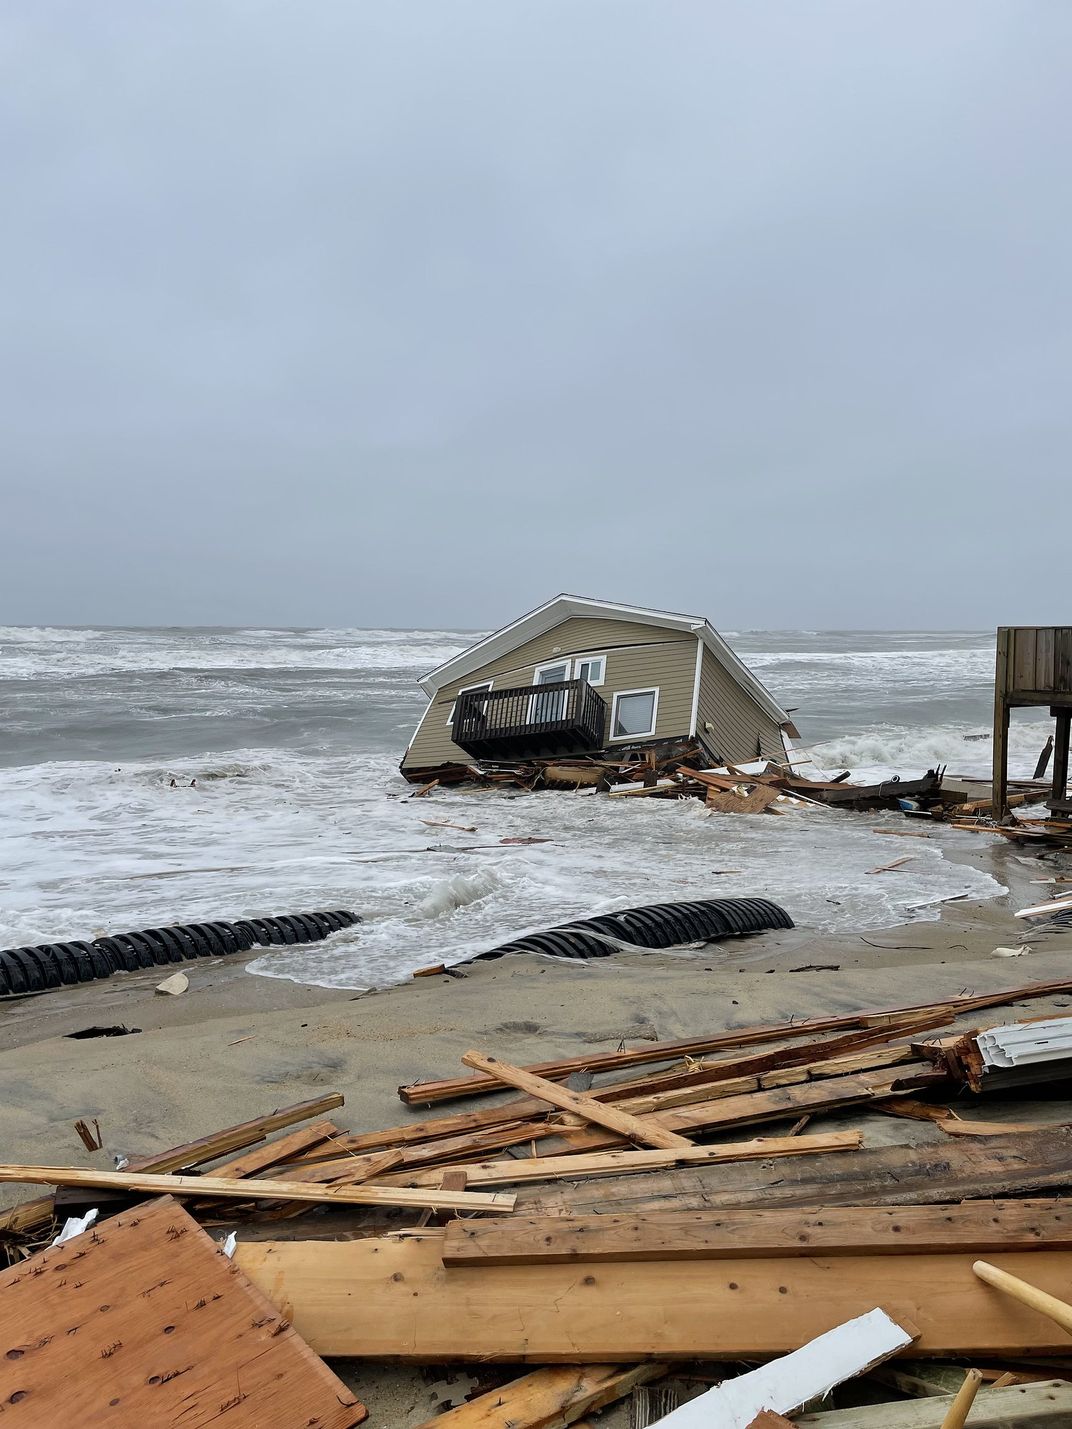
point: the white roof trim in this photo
(563, 607)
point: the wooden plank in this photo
(393, 1299)
(813, 1053)
(143, 1321)
(601, 1114)
(720, 1235)
(520, 1170)
(548, 1399)
(964, 1169)
(274, 1153)
(810, 1372)
(259, 1188)
(1023, 658)
(234, 1138)
(1047, 1405)
(426, 1093)
(768, 1105)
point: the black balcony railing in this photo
(566, 717)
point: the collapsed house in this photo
(581, 677)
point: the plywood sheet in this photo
(393, 1298)
(143, 1322)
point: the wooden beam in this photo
(720, 1235)
(520, 1170)
(1046, 1405)
(234, 1138)
(426, 1093)
(1000, 770)
(814, 1053)
(601, 1114)
(771, 1104)
(1063, 736)
(393, 1299)
(259, 1189)
(965, 1169)
(548, 1399)
(273, 1153)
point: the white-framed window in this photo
(546, 709)
(633, 713)
(484, 685)
(592, 668)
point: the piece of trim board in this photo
(788, 1383)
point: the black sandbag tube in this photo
(49, 965)
(662, 925)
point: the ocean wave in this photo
(965, 749)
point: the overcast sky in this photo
(354, 313)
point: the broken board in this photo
(393, 1299)
(143, 1321)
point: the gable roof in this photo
(562, 607)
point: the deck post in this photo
(1061, 738)
(999, 792)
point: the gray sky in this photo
(355, 313)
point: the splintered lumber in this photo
(964, 1169)
(888, 867)
(771, 1104)
(169, 1331)
(1049, 1305)
(549, 1398)
(965, 1398)
(274, 1153)
(1046, 1405)
(631, 1127)
(425, 1093)
(261, 1189)
(814, 1054)
(393, 1299)
(32, 1215)
(234, 1138)
(518, 1170)
(720, 1235)
(741, 799)
(788, 1383)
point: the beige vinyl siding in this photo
(639, 657)
(742, 731)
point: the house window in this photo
(548, 708)
(591, 668)
(634, 713)
(484, 685)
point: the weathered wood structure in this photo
(1033, 668)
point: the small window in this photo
(634, 713)
(485, 685)
(591, 668)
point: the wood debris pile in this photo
(679, 769)
(688, 1223)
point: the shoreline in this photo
(270, 1040)
(236, 1046)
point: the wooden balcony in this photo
(530, 721)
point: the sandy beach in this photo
(235, 1046)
